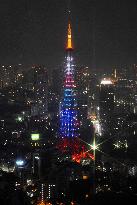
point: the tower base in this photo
(76, 150)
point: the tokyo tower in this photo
(69, 124)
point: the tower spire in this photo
(69, 37)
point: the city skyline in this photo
(68, 118)
(33, 32)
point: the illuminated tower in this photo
(69, 124)
(68, 114)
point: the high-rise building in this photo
(40, 90)
(126, 89)
(54, 93)
(83, 93)
(106, 101)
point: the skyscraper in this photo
(83, 82)
(106, 105)
(40, 89)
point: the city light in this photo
(68, 132)
(35, 137)
(19, 119)
(106, 82)
(20, 162)
(94, 146)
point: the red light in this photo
(77, 149)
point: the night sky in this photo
(34, 31)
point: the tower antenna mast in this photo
(69, 33)
(69, 3)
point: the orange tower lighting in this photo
(69, 40)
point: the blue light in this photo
(19, 162)
(68, 116)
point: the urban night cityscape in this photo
(68, 102)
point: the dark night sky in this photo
(34, 31)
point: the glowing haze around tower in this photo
(68, 113)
